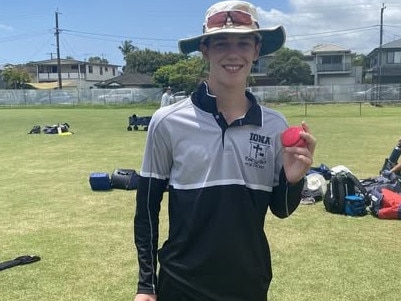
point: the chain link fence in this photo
(73, 96)
(280, 94)
(328, 93)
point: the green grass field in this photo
(85, 238)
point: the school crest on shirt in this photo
(258, 146)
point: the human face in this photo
(231, 57)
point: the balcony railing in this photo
(64, 75)
(333, 67)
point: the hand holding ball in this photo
(291, 137)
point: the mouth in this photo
(232, 68)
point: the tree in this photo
(289, 68)
(16, 78)
(183, 75)
(148, 61)
(97, 60)
(359, 59)
(126, 48)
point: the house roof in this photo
(392, 44)
(325, 48)
(128, 80)
(396, 44)
(67, 62)
(5, 66)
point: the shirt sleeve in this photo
(146, 231)
(151, 186)
(286, 196)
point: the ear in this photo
(204, 50)
(257, 50)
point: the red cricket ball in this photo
(292, 137)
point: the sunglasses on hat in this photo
(235, 17)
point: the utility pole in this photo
(60, 85)
(379, 79)
(51, 54)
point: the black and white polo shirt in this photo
(222, 180)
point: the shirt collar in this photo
(206, 101)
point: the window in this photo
(394, 57)
(90, 69)
(47, 69)
(334, 59)
(260, 66)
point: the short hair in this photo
(206, 41)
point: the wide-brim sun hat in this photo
(315, 181)
(237, 17)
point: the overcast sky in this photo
(97, 28)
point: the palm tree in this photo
(126, 47)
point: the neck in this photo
(230, 101)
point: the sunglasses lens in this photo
(240, 18)
(237, 18)
(217, 20)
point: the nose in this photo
(234, 49)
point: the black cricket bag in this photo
(35, 130)
(57, 128)
(388, 180)
(124, 179)
(135, 121)
(341, 185)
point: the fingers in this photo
(310, 139)
(301, 153)
(304, 154)
(310, 142)
(305, 126)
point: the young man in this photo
(221, 155)
(166, 98)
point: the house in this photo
(331, 64)
(128, 80)
(259, 72)
(2, 82)
(73, 73)
(385, 63)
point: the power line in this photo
(334, 32)
(141, 41)
(22, 36)
(366, 6)
(297, 37)
(119, 36)
(119, 41)
(396, 26)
